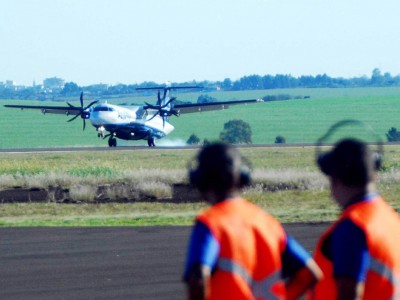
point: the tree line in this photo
(251, 82)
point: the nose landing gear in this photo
(100, 132)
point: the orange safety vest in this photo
(251, 243)
(381, 225)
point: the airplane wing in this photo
(65, 110)
(199, 107)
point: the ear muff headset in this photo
(326, 161)
(216, 172)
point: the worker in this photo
(358, 254)
(237, 250)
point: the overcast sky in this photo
(131, 41)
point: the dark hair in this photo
(351, 161)
(219, 168)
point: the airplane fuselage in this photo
(131, 123)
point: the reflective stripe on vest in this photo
(384, 271)
(261, 289)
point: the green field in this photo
(299, 121)
(287, 183)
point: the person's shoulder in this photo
(348, 234)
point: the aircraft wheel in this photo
(112, 142)
(150, 142)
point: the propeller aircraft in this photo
(137, 122)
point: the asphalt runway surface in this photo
(103, 263)
(132, 148)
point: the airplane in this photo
(136, 122)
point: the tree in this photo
(376, 77)
(393, 135)
(206, 99)
(206, 142)
(280, 140)
(70, 88)
(227, 84)
(236, 132)
(193, 140)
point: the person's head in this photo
(219, 170)
(350, 161)
(351, 168)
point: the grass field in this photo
(286, 183)
(299, 121)
(301, 195)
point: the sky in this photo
(132, 41)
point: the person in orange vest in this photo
(237, 250)
(359, 254)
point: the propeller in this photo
(82, 111)
(161, 109)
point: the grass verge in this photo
(287, 184)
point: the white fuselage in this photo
(114, 118)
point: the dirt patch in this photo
(116, 193)
(181, 193)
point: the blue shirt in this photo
(204, 250)
(347, 248)
(350, 254)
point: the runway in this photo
(132, 148)
(102, 263)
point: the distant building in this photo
(53, 83)
(10, 84)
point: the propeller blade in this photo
(84, 124)
(81, 99)
(158, 98)
(151, 106)
(153, 116)
(70, 120)
(70, 105)
(169, 101)
(165, 93)
(93, 102)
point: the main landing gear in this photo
(112, 142)
(150, 142)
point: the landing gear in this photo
(112, 142)
(150, 142)
(100, 132)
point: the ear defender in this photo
(378, 158)
(245, 179)
(245, 172)
(324, 162)
(194, 178)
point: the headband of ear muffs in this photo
(336, 161)
(220, 167)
